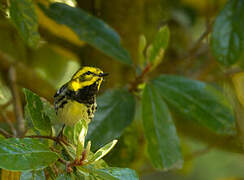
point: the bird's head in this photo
(87, 76)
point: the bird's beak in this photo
(103, 74)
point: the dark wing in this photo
(60, 97)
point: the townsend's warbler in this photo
(76, 100)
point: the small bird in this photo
(76, 100)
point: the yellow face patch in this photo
(76, 85)
(86, 69)
(86, 77)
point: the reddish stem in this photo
(56, 139)
(139, 79)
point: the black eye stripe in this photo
(88, 73)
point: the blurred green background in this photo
(58, 52)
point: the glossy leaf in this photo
(111, 173)
(49, 111)
(157, 48)
(197, 101)
(89, 29)
(227, 40)
(36, 113)
(25, 154)
(23, 15)
(115, 112)
(103, 151)
(73, 132)
(162, 140)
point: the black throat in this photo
(86, 95)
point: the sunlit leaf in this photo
(89, 29)
(25, 154)
(37, 114)
(162, 140)
(227, 42)
(197, 101)
(73, 133)
(115, 112)
(103, 151)
(23, 15)
(58, 29)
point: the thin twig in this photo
(198, 42)
(55, 169)
(194, 51)
(10, 124)
(139, 79)
(54, 150)
(58, 140)
(17, 102)
(5, 133)
(63, 161)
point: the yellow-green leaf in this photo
(103, 151)
(157, 48)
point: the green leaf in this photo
(36, 112)
(157, 48)
(111, 173)
(73, 132)
(227, 40)
(197, 101)
(116, 109)
(25, 154)
(89, 29)
(22, 13)
(49, 111)
(103, 151)
(163, 143)
(32, 175)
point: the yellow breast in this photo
(72, 112)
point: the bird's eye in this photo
(88, 72)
